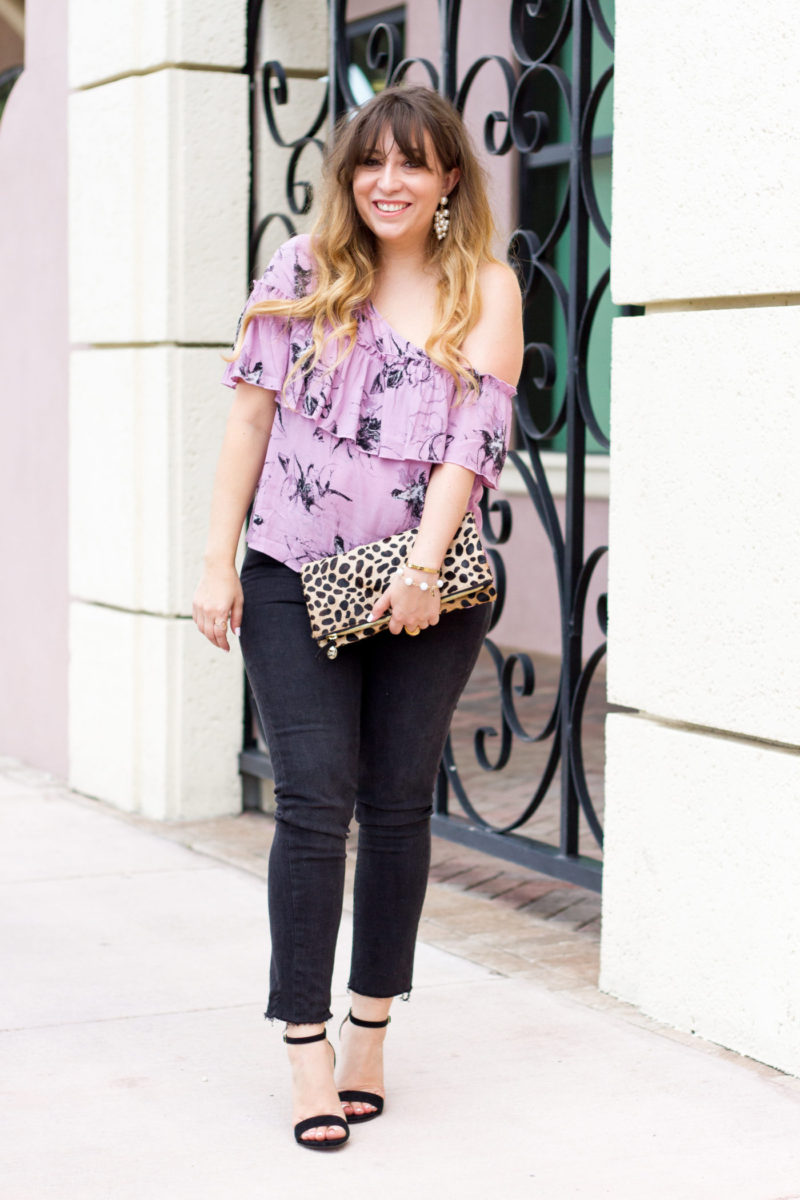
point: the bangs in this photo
(367, 131)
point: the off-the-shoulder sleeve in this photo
(264, 355)
(478, 430)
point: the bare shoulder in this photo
(498, 281)
(495, 345)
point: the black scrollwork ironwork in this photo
(548, 118)
(7, 80)
(273, 94)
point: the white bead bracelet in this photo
(423, 587)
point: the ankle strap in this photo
(303, 1041)
(368, 1024)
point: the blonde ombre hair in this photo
(346, 250)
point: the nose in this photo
(389, 177)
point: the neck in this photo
(398, 260)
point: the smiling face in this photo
(396, 193)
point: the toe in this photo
(324, 1133)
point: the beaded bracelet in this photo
(423, 587)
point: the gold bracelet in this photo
(423, 587)
(427, 570)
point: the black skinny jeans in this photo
(363, 733)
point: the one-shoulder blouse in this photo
(351, 450)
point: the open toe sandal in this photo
(350, 1094)
(325, 1118)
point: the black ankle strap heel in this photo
(365, 1024)
(325, 1118)
(314, 1037)
(363, 1097)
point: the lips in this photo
(388, 208)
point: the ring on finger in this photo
(221, 622)
(411, 632)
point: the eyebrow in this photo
(414, 153)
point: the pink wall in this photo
(12, 51)
(33, 398)
(530, 619)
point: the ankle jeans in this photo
(361, 734)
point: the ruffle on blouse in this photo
(264, 356)
(386, 398)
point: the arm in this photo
(445, 505)
(495, 346)
(244, 447)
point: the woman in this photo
(347, 430)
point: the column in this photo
(159, 178)
(702, 887)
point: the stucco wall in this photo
(33, 398)
(703, 787)
(159, 177)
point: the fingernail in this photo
(372, 617)
(237, 632)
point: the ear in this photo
(450, 180)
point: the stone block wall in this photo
(703, 787)
(159, 184)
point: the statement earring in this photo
(441, 219)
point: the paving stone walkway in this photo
(137, 1062)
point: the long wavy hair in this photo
(346, 250)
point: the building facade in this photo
(124, 174)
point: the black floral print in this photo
(251, 374)
(397, 373)
(413, 489)
(368, 437)
(352, 446)
(493, 446)
(434, 447)
(307, 485)
(238, 327)
(315, 384)
(302, 280)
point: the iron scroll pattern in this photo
(540, 39)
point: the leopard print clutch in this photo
(341, 590)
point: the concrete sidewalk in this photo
(137, 1063)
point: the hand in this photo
(408, 605)
(218, 597)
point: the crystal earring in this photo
(441, 219)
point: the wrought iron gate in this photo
(551, 101)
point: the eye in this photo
(371, 161)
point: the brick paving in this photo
(500, 797)
(541, 924)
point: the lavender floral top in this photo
(351, 451)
